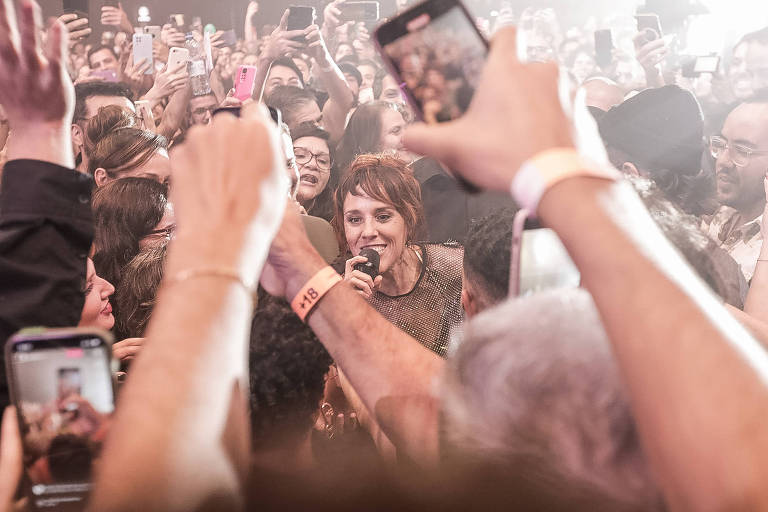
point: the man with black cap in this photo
(658, 134)
(741, 162)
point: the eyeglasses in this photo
(740, 154)
(166, 233)
(304, 156)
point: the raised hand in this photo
(116, 16)
(168, 82)
(332, 16)
(280, 43)
(77, 27)
(232, 185)
(509, 89)
(35, 88)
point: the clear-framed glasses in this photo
(304, 156)
(739, 154)
(164, 233)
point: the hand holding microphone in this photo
(362, 272)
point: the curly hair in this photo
(124, 212)
(137, 295)
(487, 253)
(287, 373)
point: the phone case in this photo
(142, 49)
(246, 78)
(176, 56)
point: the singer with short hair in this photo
(379, 220)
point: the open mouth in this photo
(310, 179)
(379, 248)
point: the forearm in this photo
(174, 113)
(340, 100)
(47, 142)
(262, 72)
(695, 377)
(188, 388)
(392, 373)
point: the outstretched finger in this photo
(8, 34)
(30, 34)
(56, 44)
(11, 456)
(283, 22)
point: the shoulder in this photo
(446, 258)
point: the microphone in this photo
(372, 266)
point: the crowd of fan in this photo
(425, 385)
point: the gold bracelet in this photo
(215, 272)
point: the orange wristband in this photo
(314, 291)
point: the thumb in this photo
(11, 460)
(434, 141)
(283, 21)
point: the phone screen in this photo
(79, 7)
(438, 58)
(544, 263)
(300, 17)
(603, 48)
(707, 64)
(62, 388)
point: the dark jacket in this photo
(46, 231)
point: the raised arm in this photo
(696, 378)
(181, 434)
(392, 373)
(340, 97)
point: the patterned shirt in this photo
(743, 242)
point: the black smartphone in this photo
(365, 12)
(434, 41)
(229, 38)
(111, 3)
(650, 25)
(299, 18)
(79, 7)
(603, 47)
(61, 384)
(177, 21)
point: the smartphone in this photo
(299, 18)
(544, 264)
(176, 56)
(79, 7)
(177, 21)
(111, 3)
(61, 384)
(107, 75)
(229, 38)
(603, 48)
(142, 49)
(155, 30)
(144, 110)
(434, 25)
(421, 30)
(244, 82)
(650, 25)
(366, 12)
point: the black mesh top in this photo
(433, 307)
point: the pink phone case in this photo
(246, 77)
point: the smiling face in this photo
(742, 187)
(369, 223)
(97, 311)
(313, 177)
(392, 126)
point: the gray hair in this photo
(535, 379)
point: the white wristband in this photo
(549, 167)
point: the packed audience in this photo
(309, 310)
